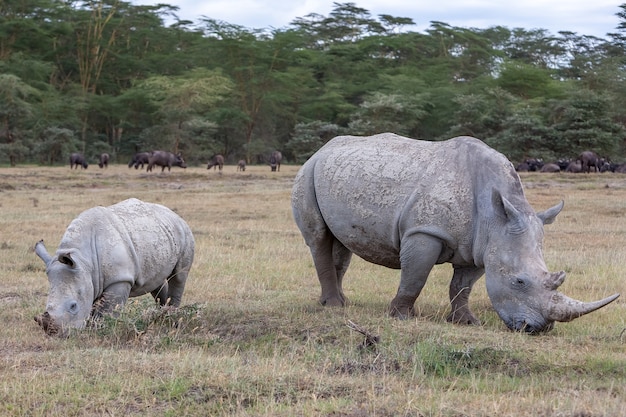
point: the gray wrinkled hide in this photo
(111, 253)
(410, 204)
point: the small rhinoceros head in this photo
(521, 290)
(71, 293)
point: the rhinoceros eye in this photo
(520, 282)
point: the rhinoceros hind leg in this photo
(174, 287)
(331, 260)
(460, 288)
(161, 294)
(341, 258)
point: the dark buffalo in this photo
(77, 159)
(531, 164)
(165, 159)
(215, 162)
(574, 167)
(589, 159)
(103, 160)
(241, 165)
(606, 165)
(551, 167)
(621, 169)
(139, 158)
(275, 159)
(563, 163)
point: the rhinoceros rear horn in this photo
(564, 308)
(555, 280)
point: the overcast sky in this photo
(585, 17)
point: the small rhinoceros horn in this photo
(46, 322)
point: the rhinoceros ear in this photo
(516, 222)
(548, 216)
(66, 258)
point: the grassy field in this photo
(250, 338)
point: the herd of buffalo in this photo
(587, 161)
(168, 160)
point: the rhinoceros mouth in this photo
(525, 327)
(47, 324)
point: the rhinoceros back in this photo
(371, 190)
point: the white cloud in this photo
(596, 17)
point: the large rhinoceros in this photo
(108, 254)
(410, 204)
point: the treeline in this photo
(109, 76)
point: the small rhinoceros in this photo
(410, 204)
(108, 254)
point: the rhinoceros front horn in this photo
(47, 324)
(563, 308)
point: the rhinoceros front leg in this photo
(113, 297)
(331, 260)
(461, 285)
(418, 255)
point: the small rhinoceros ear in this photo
(66, 258)
(548, 216)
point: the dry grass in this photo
(251, 339)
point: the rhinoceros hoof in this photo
(463, 318)
(402, 313)
(332, 302)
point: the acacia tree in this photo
(29, 26)
(347, 67)
(526, 135)
(257, 64)
(395, 113)
(95, 33)
(309, 137)
(15, 108)
(584, 122)
(482, 114)
(183, 102)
